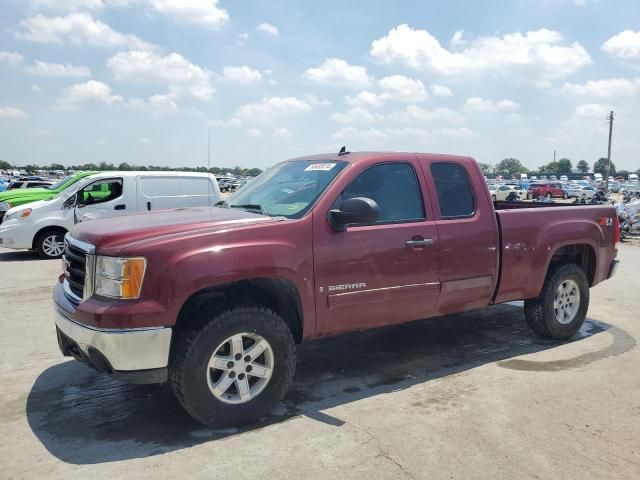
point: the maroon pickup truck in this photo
(213, 300)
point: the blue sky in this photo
(142, 81)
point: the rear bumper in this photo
(133, 355)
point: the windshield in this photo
(60, 182)
(287, 189)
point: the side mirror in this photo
(71, 201)
(358, 210)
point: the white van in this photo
(597, 177)
(633, 177)
(41, 225)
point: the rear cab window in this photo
(453, 187)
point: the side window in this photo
(160, 186)
(454, 190)
(395, 189)
(102, 191)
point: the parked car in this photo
(564, 178)
(17, 184)
(549, 190)
(581, 192)
(14, 198)
(213, 300)
(226, 183)
(500, 192)
(42, 225)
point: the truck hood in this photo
(117, 232)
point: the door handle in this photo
(120, 207)
(419, 242)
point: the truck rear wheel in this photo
(234, 368)
(561, 308)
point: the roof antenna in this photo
(343, 150)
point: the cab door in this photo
(102, 199)
(382, 273)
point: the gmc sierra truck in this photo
(214, 300)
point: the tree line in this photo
(104, 166)
(513, 166)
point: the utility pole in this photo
(554, 156)
(610, 121)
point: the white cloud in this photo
(243, 75)
(441, 90)
(144, 141)
(43, 132)
(282, 132)
(12, 112)
(593, 110)
(456, 133)
(625, 45)
(73, 5)
(232, 122)
(606, 88)
(201, 12)
(180, 75)
(78, 29)
(162, 104)
(254, 132)
(414, 113)
(242, 39)
(10, 58)
(268, 29)
(394, 88)
(457, 39)
(403, 89)
(45, 69)
(542, 52)
(365, 134)
(479, 104)
(89, 92)
(356, 115)
(338, 73)
(366, 98)
(36, 88)
(271, 108)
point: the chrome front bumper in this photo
(125, 350)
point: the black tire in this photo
(539, 312)
(42, 249)
(191, 353)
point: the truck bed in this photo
(532, 233)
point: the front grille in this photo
(77, 259)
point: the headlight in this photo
(119, 277)
(19, 214)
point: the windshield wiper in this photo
(251, 206)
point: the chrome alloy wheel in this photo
(240, 368)
(566, 301)
(53, 245)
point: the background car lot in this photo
(468, 396)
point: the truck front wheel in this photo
(234, 368)
(562, 306)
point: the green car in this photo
(13, 198)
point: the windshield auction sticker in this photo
(320, 167)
